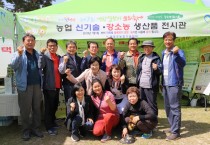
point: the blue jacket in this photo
(19, 64)
(176, 68)
(115, 60)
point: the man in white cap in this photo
(148, 75)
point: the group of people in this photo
(116, 89)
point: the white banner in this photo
(116, 25)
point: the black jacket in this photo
(75, 69)
(142, 109)
(45, 63)
(88, 108)
(123, 87)
(154, 73)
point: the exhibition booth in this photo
(85, 20)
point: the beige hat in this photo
(147, 43)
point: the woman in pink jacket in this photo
(107, 113)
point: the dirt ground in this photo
(195, 131)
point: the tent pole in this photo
(15, 32)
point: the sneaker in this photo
(55, 125)
(82, 131)
(155, 130)
(173, 137)
(135, 132)
(52, 131)
(37, 133)
(167, 131)
(26, 135)
(105, 138)
(74, 137)
(146, 135)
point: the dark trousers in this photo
(51, 100)
(172, 105)
(30, 102)
(76, 123)
(144, 126)
(67, 91)
(150, 97)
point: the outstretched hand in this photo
(20, 50)
(124, 132)
(65, 59)
(68, 71)
(135, 119)
(175, 49)
(122, 79)
(85, 53)
(43, 50)
(154, 66)
(72, 106)
(90, 120)
(103, 58)
(107, 99)
(122, 54)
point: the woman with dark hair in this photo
(118, 86)
(108, 116)
(138, 115)
(89, 74)
(79, 112)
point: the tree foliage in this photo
(1, 3)
(29, 5)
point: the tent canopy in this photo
(104, 6)
(6, 24)
(98, 19)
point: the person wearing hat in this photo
(172, 81)
(148, 74)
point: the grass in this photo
(195, 130)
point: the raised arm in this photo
(16, 60)
(74, 80)
(62, 64)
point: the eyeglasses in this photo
(51, 45)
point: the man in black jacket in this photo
(148, 74)
(70, 61)
(48, 62)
